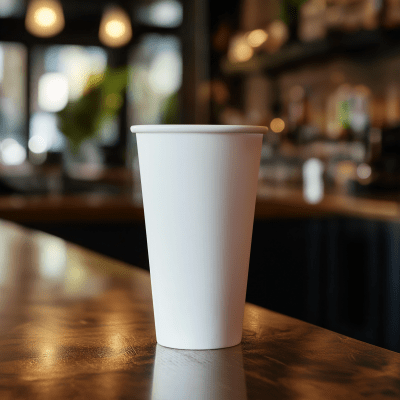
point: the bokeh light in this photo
(277, 125)
(364, 171)
(44, 124)
(78, 64)
(37, 144)
(257, 37)
(279, 31)
(45, 16)
(53, 91)
(11, 152)
(166, 13)
(278, 34)
(115, 27)
(240, 50)
(165, 75)
(313, 184)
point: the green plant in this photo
(101, 101)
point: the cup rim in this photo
(187, 128)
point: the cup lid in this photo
(166, 128)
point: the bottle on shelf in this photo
(278, 34)
(296, 113)
(392, 109)
(301, 124)
(383, 154)
(391, 14)
(353, 15)
(335, 14)
(385, 144)
(372, 14)
(338, 113)
(312, 23)
(360, 117)
(308, 130)
(348, 114)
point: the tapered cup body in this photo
(199, 192)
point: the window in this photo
(12, 103)
(39, 76)
(12, 8)
(153, 89)
(59, 74)
(163, 13)
(155, 80)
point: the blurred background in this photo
(323, 75)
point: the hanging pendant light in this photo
(115, 27)
(44, 18)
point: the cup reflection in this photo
(202, 374)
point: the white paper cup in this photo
(199, 185)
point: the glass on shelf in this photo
(351, 16)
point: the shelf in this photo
(361, 46)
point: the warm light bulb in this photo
(257, 37)
(277, 125)
(44, 18)
(115, 28)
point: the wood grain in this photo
(77, 325)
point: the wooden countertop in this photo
(94, 207)
(74, 324)
(272, 202)
(96, 203)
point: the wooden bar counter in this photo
(77, 325)
(272, 202)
